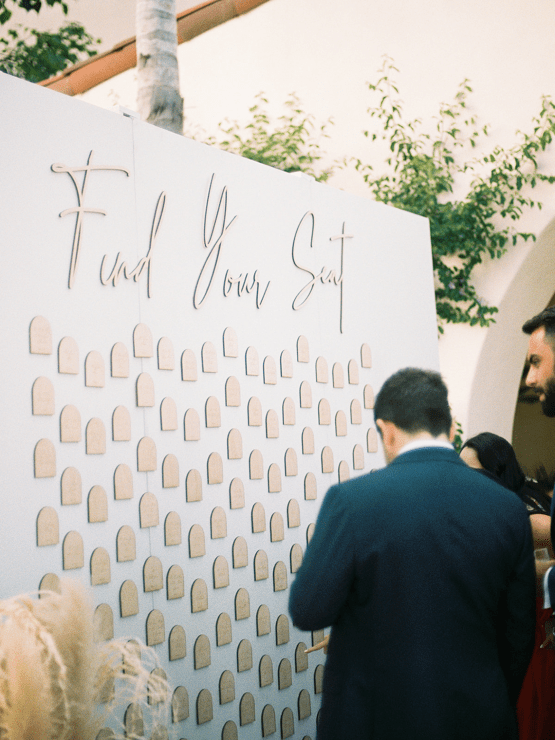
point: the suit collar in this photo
(428, 454)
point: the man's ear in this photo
(387, 432)
(452, 432)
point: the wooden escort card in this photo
(368, 397)
(177, 645)
(365, 356)
(166, 357)
(97, 505)
(94, 370)
(193, 486)
(146, 455)
(244, 656)
(303, 704)
(40, 336)
(234, 445)
(265, 671)
(356, 412)
(288, 412)
(254, 412)
(324, 412)
(220, 572)
(201, 652)
(318, 679)
(232, 392)
(240, 553)
(260, 566)
(45, 459)
(95, 437)
(291, 466)
(268, 721)
(272, 425)
(180, 704)
(227, 687)
(71, 487)
(338, 376)
(307, 441)
(73, 551)
(352, 372)
(125, 544)
(322, 370)
(191, 424)
(301, 658)
(133, 721)
(358, 457)
(204, 707)
(199, 596)
(157, 694)
(282, 630)
(170, 472)
(372, 440)
(252, 366)
(287, 723)
(305, 394)
(263, 621)
(274, 478)
(153, 574)
(70, 424)
(269, 371)
(119, 361)
(128, 599)
(68, 356)
(340, 424)
(327, 460)
(121, 425)
(256, 465)
(223, 630)
(258, 518)
(196, 542)
(280, 576)
(293, 514)
(276, 527)
(343, 472)
(103, 623)
(285, 674)
(48, 528)
(242, 605)
(155, 628)
(123, 482)
(286, 364)
(246, 709)
(145, 391)
(296, 557)
(303, 354)
(209, 358)
(168, 415)
(175, 583)
(172, 529)
(231, 345)
(212, 410)
(100, 567)
(310, 532)
(310, 489)
(42, 397)
(148, 511)
(142, 341)
(215, 469)
(188, 366)
(236, 494)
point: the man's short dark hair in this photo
(545, 319)
(415, 400)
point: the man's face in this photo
(541, 375)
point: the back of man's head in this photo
(545, 320)
(415, 400)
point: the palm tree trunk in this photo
(158, 99)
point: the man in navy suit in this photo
(541, 377)
(425, 571)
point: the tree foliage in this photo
(423, 170)
(28, 5)
(38, 55)
(291, 143)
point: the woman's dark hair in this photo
(497, 456)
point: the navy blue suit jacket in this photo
(425, 571)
